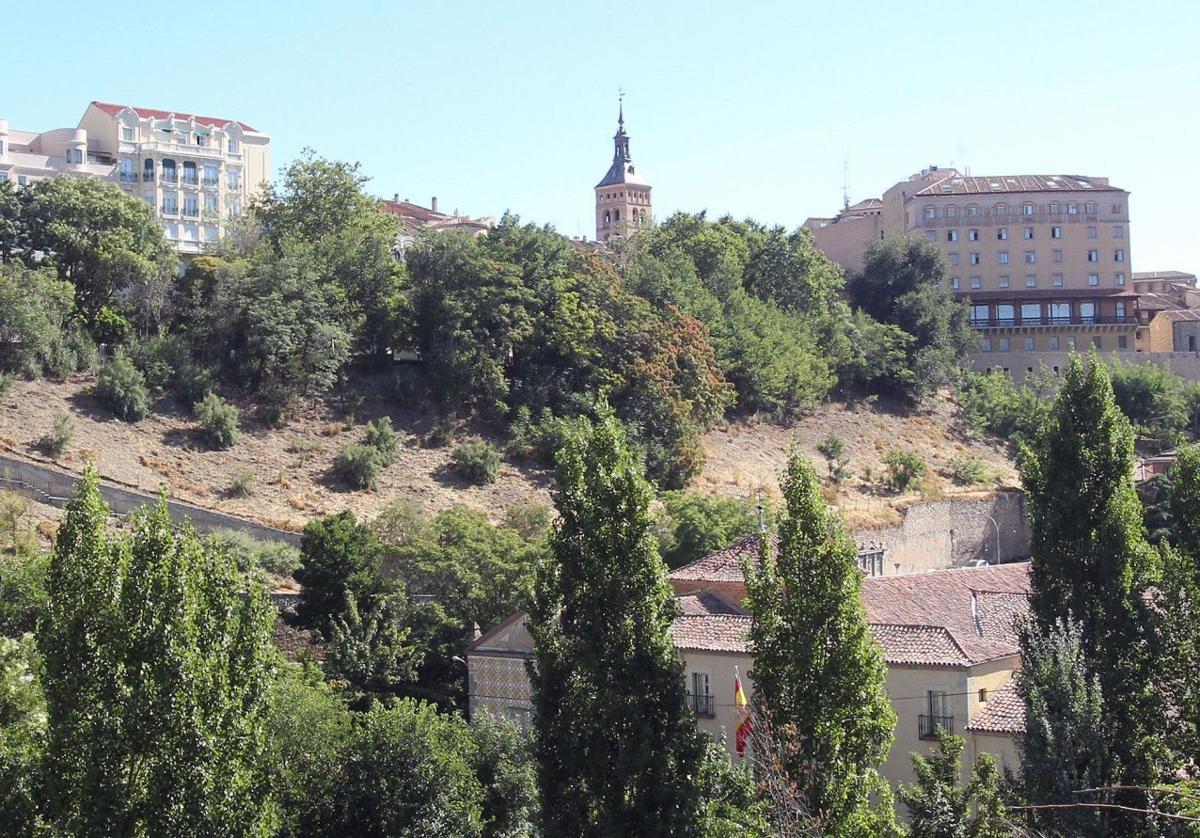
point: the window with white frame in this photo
(232, 145)
(1060, 312)
(1093, 279)
(1119, 278)
(1002, 234)
(952, 258)
(954, 283)
(1118, 231)
(952, 235)
(1093, 255)
(1006, 313)
(1090, 208)
(1002, 281)
(1031, 280)
(1058, 281)
(972, 210)
(976, 282)
(126, 133)
(1002, 257)
(979, 314)
(1053, 208)
(1056, 232)
(1057, 256)
(1031, 313)
(1030, 256)
(233, 178)
(1028, 234)
(1092, 233)
(985, 345)
(952, 211)
(930, 211)
(1003, 344)
(1028, 344)
(1119, 255)
(973, 235)
(1054, 342)
(1027, 209)
(974, 258)
(1072, 209)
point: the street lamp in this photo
(997, 526)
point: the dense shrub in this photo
(110, 326)
(121, 387)
(904, 468)
(993, 403)
(243, 483)
(6, 380)
(35, 313)
(441, 434)
(966, 470)
(477, 461)
(60, 435)
(218, 421)
(358, 466)
(383, 439)
(833, 449)
(275, 558)
(539, 439)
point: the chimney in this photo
(433, 203)
(395, 197)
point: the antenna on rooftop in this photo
(846, 181)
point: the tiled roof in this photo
(919, 645)
(154, 113)
(1004, 712)
(723, 565)
(956, 184)
(977, 606)
(1180, 314)
(708, 623)
(706, 604)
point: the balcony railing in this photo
(929, 726)
(191, 212)
(190, 180)
(210, 181)
(702, 704)
(1074, 320)
(166, 178)
(170, 209)
(128, 177)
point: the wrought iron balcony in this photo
(930, 724)
(1074, 320)
(702, 704)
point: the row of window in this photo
(190, 232)
(1056, 232)
(1053, 313)
(1002, 257)
(1053, 208)
(188, 173)
(1053, 343)
(1031, 281)
(201, 140)
(191, 203)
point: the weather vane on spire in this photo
(620, 106)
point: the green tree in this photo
(1177, 632)
(339, 560)
(1090, 562)
(322, 203)
(371, 651)
(1062, 749)
(275, 325)
(100, 239)
(156, 670)
(503, 763)
(695, 524)
(35, 312)
(22, 739)
(938, 804)
(122, 388)
(903, 282)
(600, 619)
(818, 673)
(833, 449)
(408, 773)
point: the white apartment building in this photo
(196, 171)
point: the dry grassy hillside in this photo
(293, 464)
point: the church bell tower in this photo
(622, 197)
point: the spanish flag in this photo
(742, 710)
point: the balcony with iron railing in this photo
(703, 704)
(210, 181)
(170, 209)
(928, 726)
(189, 180)
(1073, 320)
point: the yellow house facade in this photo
(948, 638)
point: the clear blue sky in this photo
(732, 107)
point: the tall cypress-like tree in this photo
(1178, 611)
(617, 747)
(818, 673)
(1091, 563)
(156, 668)
(1062, 749)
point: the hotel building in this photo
(1043, 260)
(196, 171)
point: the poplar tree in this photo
(1062, 749)
(1178, 612)
(156, 668)
(617, 748)
(1091, 564)
(818, 673)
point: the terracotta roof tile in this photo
(723, 565)
(1004, 712)
(957, 184)
(919, 645)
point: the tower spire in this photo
(620, 109)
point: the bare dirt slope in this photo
(293, 464)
